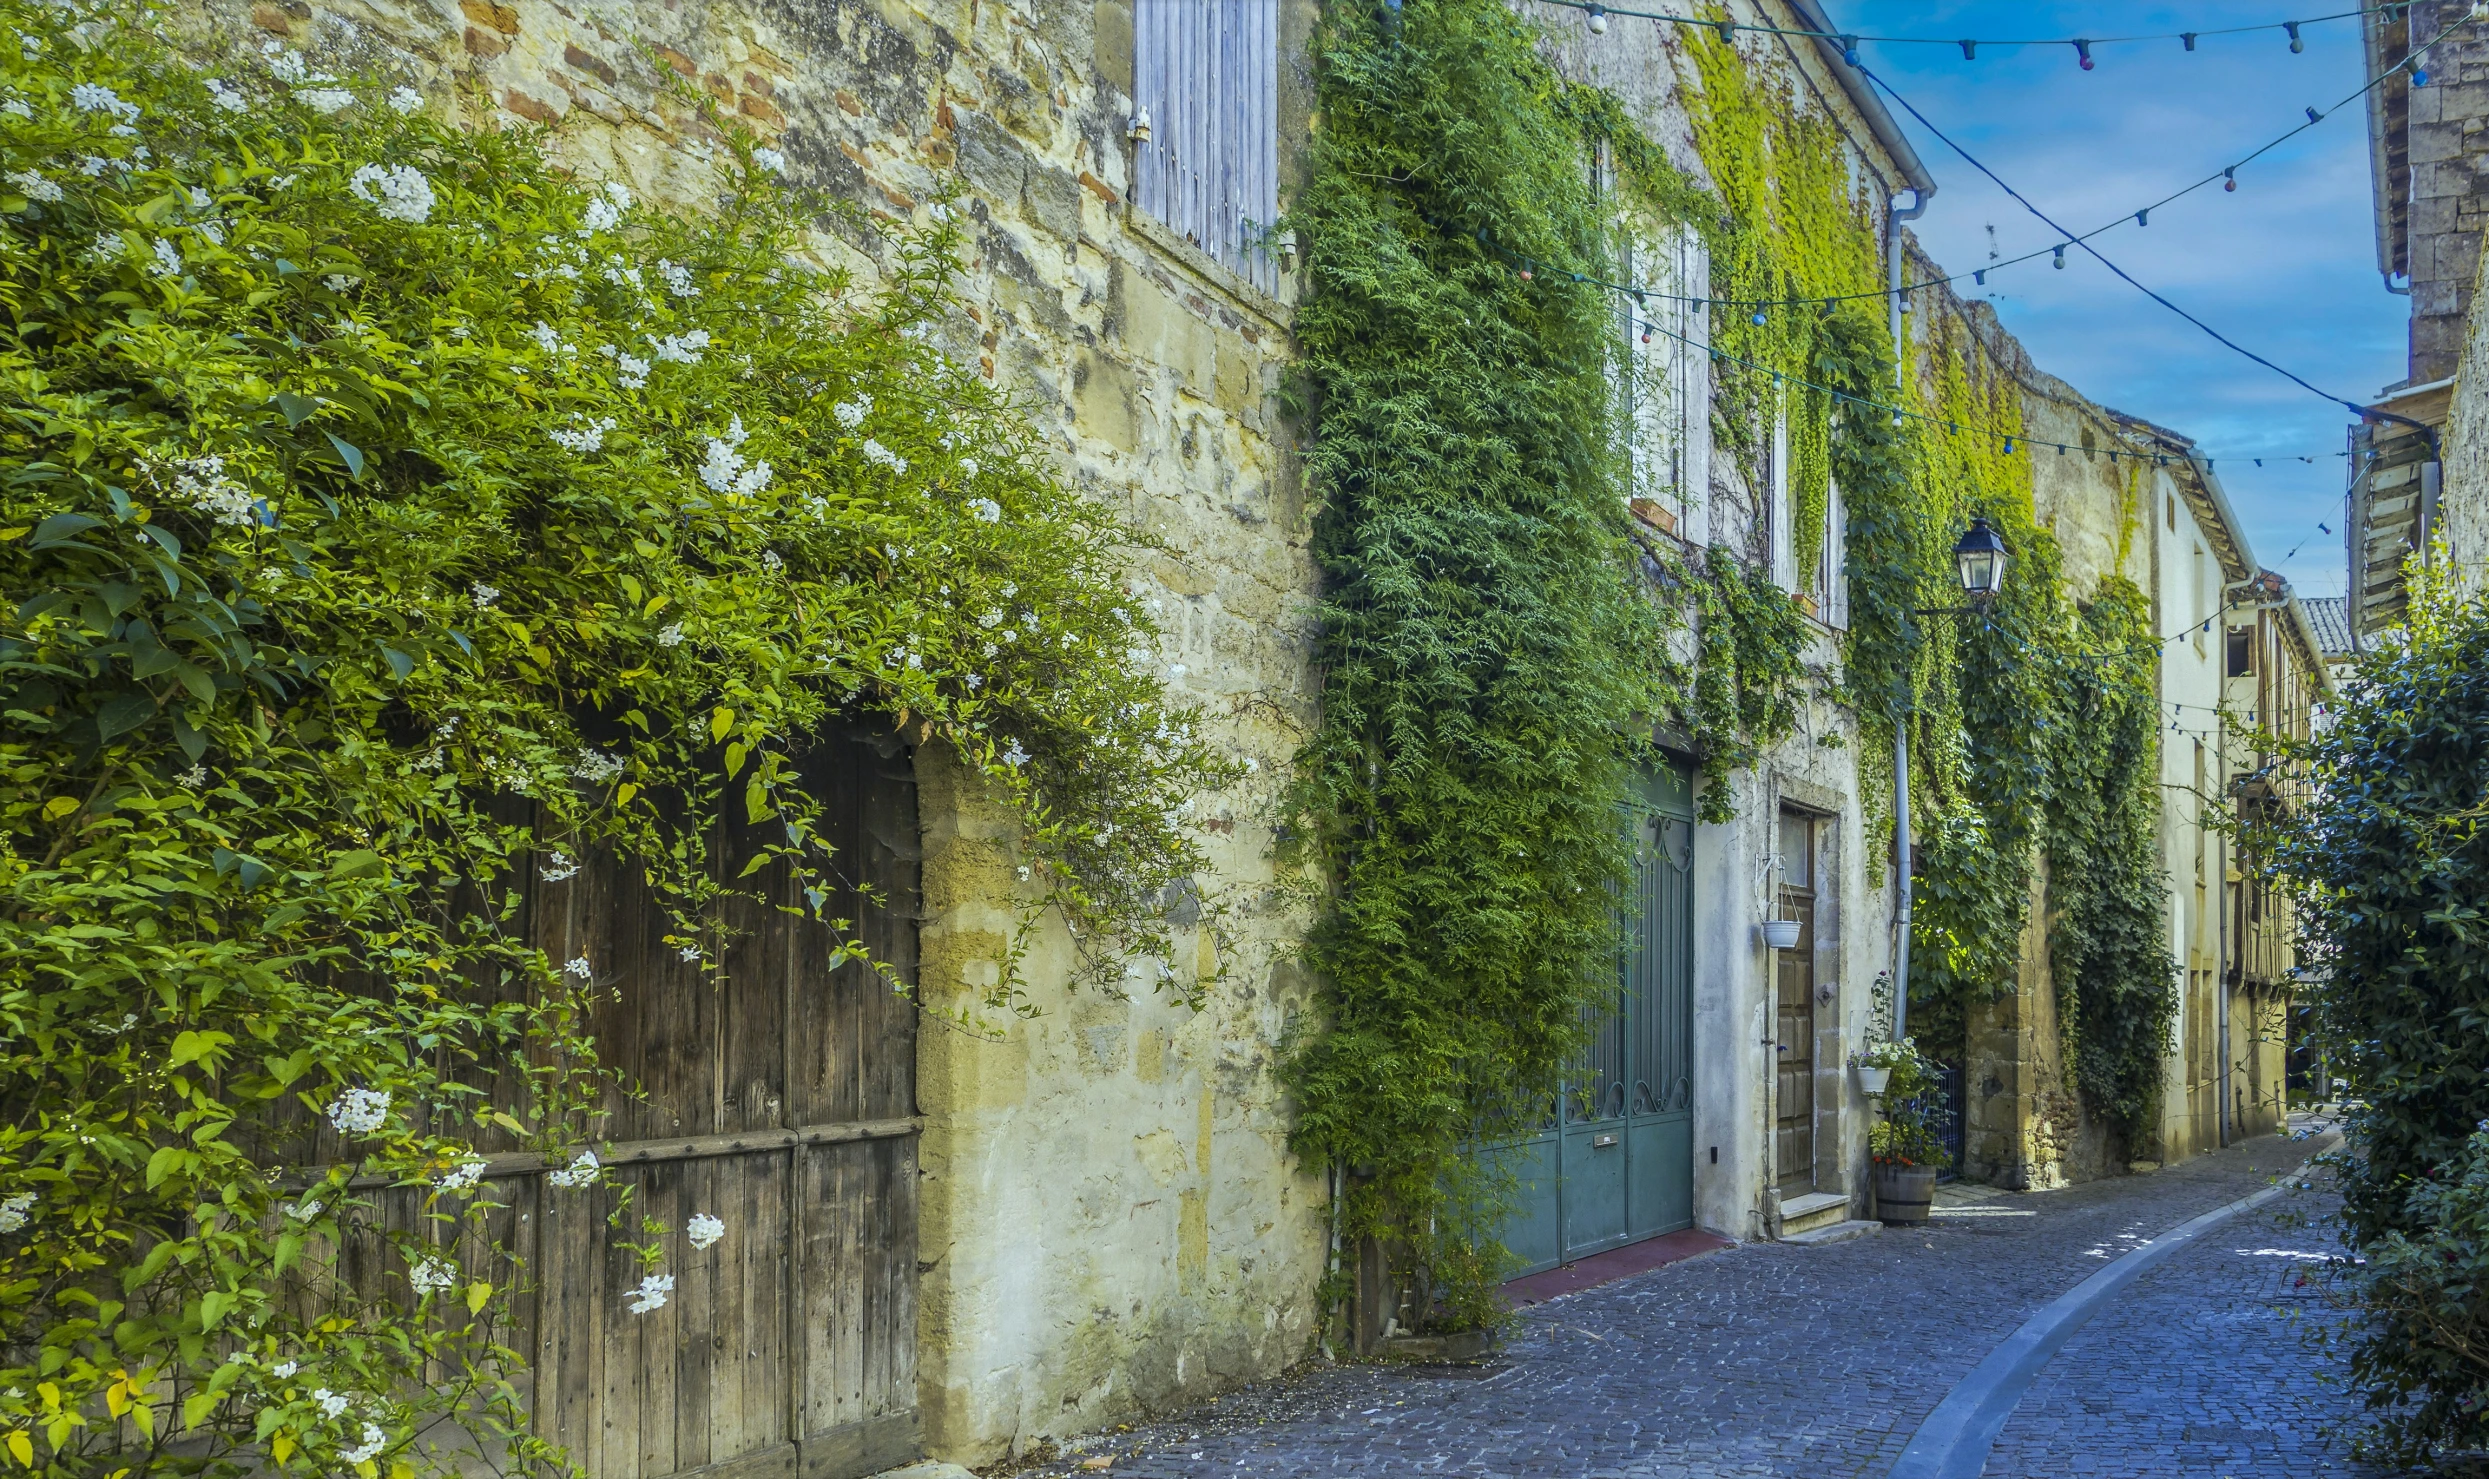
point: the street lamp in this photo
(1981, 558)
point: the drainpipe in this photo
(1894, 217)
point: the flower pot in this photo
(1873, 1080)
(1781, 934)
(1902, 1193)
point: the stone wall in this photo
(1110, 1219)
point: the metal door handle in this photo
(1602, 1142)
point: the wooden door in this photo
(777, 1095)
(1793, 1142)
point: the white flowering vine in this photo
(397, 192)
(359, 1111)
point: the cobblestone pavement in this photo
(1771, 1360)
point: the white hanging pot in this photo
(1873, 1080)
(1781, 934)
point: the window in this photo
(1832, 570)
(2241, 656)
(1206, 75)
(1780, 513)
(1667, 385)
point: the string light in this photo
(1600, 11)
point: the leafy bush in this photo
(386, 516)
(2391, 865)
(2423, 1352)
(1910, 1129)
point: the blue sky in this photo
(2286, 264)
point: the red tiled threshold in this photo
(1616, 1263)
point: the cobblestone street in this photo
(1772, 1359)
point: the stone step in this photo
(1814, 1210)
(1837, 1232)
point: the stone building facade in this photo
(1109, 1219)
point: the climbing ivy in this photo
(2032, 731)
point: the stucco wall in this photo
(1110, 1219)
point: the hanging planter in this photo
(1780, 934)
(1873, 1080)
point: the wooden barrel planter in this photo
(1902, 1193)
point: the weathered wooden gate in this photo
(1617, 1164)
(781, 1101)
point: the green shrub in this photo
(2391, 868)
(358, 478)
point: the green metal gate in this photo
(1616, 1165)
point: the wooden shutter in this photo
(1207, 73)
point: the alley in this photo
(1772, 1359)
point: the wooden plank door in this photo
(776, 1094)
(1793, 1144)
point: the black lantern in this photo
(1981, 556)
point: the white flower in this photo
(483, 595)
(621, 276)
(578, 966)
(224, 95)
(547, 338)
(17, 106)
(284, 1369)
(201, 482)
(284, 65)
(975, 681)
(580, 1172)
(398, 192)
(875, 452)
(194, 777)
(338, 282)
(677, 279)
(329, 1402)
(851, 414)
(770, 160)
(463, 1176)
(168, 259)
(1177, 670)
(35, 186)
(725, 470)
(704, 1230)
(1015, 755)
(406, 100)
(681, 349)
(587, 436)
(302, 1211)
(559, 867)
(771, 558)
(596, 767)
(359, 1111)
(373, 1441)
(634, 371)
(605, 208)
(968, 469)
(16, 1210)
(324, 99)
(651, 1294)
(94, 97)
(93, 167)
(431, 1275)
(690, 952)
(986, 510)
(672, 636)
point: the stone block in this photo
(1111, 23)
(1053, 201)
(990, 159)
(1159, 329)
(1106, 400)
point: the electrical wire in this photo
(2082, 44)
(2354, 407)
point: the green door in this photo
(1616, 1164)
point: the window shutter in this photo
(1207, 72)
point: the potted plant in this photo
(1875, 1065)
(1907, 1146)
